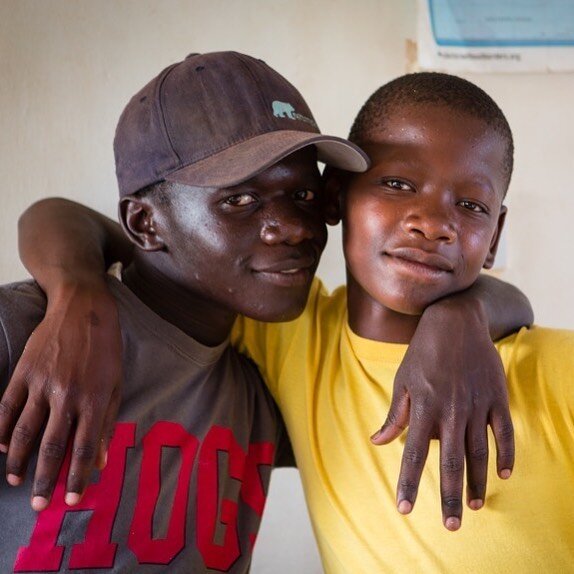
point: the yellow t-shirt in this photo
(334, 389)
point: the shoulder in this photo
(540, 354)
(332, 308)
(538, 344)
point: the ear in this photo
(137, 219)
(334, 182)
(489, 262)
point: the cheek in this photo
(367, 226)
(476, 250)
(361, 251)
(202, 253)
(208, 240)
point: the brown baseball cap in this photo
(216, 120)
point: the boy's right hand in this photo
(70, 376)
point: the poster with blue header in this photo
(496, 35)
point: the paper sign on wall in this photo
(496, 35)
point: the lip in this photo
(420, 259)
(288, 272)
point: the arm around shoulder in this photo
(62, 241)
(71, 369)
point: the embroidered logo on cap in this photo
(286, 110)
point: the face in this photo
(425, 218)
(253, 248)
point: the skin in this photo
(418, 226)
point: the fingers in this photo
(23, 439)
(108, 430)
(503, 431)
(84, 452)
(50, 457)
(477, 463)
(10, 408)
(412, 464)
(397, 419)
(89, 449)
(451, 476)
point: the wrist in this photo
(457, 309)
(65, 289)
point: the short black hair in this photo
(455, 93)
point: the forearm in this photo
(64, 242)
(500, 306)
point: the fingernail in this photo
(376, 435)
(101, 461)
(72, 498)
(452, 523)
(3, 448)
(476, 504)
(505, 473)
(14, 480)
(39, 503)
(404, 507)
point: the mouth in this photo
(288, 273)
(420, 262)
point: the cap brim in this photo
(244, 160)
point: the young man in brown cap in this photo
(197, 434)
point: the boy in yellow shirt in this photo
(418, 226)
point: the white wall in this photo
(68, 67)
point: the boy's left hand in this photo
(451, 385)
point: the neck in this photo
(198, 317)
(371, 320)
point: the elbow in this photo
(40, 209)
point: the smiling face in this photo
(250, 249)
(426, 217)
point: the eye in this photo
(240, 200)
(397, 185)
(304, 195)
(472, 206)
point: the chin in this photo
(406, 305)
(282, 304)
(410, 310)
(279, 314)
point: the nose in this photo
(431, 220)
(287, 229)
(285, 222)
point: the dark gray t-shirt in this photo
(188, 466)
